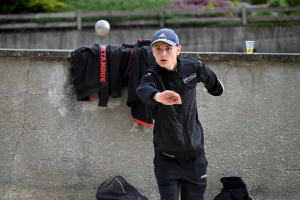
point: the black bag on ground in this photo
(234, 188)
(117, 188)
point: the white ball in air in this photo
(102, 27)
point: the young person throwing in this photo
(170, 88)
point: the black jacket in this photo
(234, 188)
(142, 59)
(177, 129)
(118, 60)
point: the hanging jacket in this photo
(118, 57)
(91, 73)
(107, 70)
(142, 59)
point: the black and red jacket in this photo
(108, 69)
(91, 73)
(177, 130)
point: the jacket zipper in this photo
(182, 118)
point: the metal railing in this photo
(159, 18)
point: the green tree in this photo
(30, 6)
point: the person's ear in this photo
(179, 50)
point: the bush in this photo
(278, 3)
(194, 4)
(45, 5)
(294, 2)
(10, 6)
(255, 2)
(30, 6)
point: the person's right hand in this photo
(167, 97)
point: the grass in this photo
(109, 5)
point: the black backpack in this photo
(117, 188)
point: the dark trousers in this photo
(185, 177)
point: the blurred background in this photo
(36, 6)
(202, 25)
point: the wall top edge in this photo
(227, 56)
(217, 56)
(36, 53)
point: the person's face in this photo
(166, 55)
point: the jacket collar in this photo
(164, 72)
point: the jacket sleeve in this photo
(210, 80)
(148, 88)
(114, 62)
(137, 70)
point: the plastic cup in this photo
(249, 47)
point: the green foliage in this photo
(110, 5)
(45, 5)
(11, 6)
(278, 3)
(274, 3)
(255, 2)
(294, 2)
(30, 6)
(209, 6)
(235, 4)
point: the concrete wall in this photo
(278, 39)
(54, 147)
